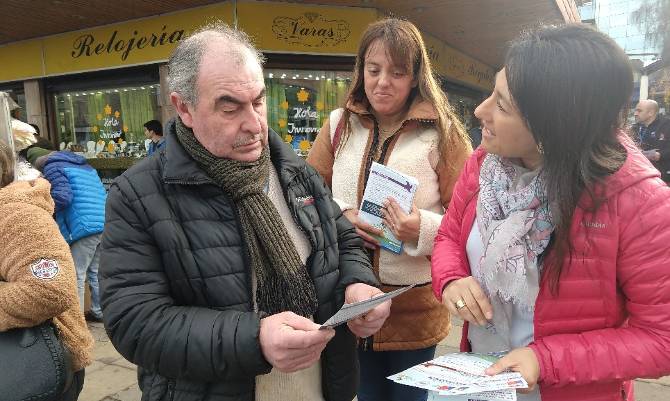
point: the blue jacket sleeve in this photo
(61, 191)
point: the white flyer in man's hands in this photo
(384, 183)
(352, 311)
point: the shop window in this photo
(300, 101)
(110, 114)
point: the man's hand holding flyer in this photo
(352, 311)
(384, 183)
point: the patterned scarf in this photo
(283, 281)
(515, 223)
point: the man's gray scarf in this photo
(283, 281)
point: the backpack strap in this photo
(336, 134)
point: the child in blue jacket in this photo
(80, 198)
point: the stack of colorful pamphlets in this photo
(461, 377)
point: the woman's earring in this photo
(540, 149)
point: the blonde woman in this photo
(397, 115)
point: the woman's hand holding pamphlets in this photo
(461, 376)
(403, 226)
(384, 183)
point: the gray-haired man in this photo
(221, 254)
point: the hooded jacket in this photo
(176, 282)
(78, 194)
(37, 275)
(611, 319)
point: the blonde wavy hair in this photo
(6, 165)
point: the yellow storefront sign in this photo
(275, 27)
(134, 42)
(298, 28)
(21, 60)
(457, 66)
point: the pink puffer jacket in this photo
(611, 319)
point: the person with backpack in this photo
(396, 114)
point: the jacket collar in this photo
(35, 193)
(66, 156)
(654, 124)
(180, 168)
(419, 110)
(287, 163)
(636, 168)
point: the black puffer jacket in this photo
(176, 288)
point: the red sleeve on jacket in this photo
(448, 261)
(640, 349)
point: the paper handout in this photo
(500, 395)
(352, 311)
(384, 182)
(462, 374)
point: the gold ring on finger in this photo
(460, 304)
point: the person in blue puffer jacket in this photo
(80, 198)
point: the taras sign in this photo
(311, 30)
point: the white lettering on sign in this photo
(292, 129)
(304, 114)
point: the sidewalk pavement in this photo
(112, 378)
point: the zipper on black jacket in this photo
(170, 392)
(182, 182)
(366, 343)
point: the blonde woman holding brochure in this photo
(396, 115)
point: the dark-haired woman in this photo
(555, 243)
(397, 115)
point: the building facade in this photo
(623, 22)
(89, 87)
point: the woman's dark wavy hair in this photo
(572, 86)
